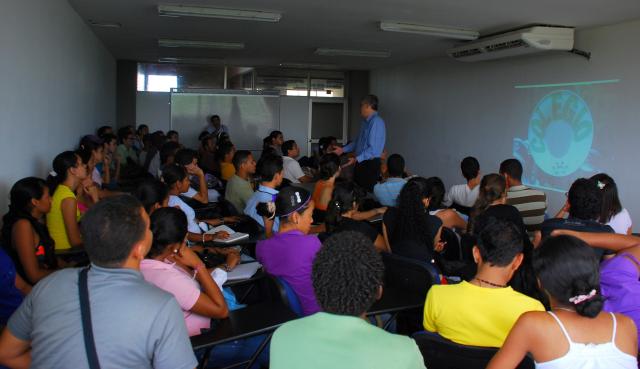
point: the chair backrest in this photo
(409, 274)
(440, 353)
(285, 294)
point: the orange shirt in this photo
(317, 194)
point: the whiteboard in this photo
(250, 118)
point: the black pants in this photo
(367, 173)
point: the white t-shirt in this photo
(212, 194)
(188, 211)
(96, 177)
(154, 166)
(292, 169)
(462, 195)
(621, 222)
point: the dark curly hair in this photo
(567, 267)
(347, 273)
(499, 241)
(585, 199)
(412, 222)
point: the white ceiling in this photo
(344, 24)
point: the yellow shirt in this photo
(55, 222)
(227, 170)
(473, 315)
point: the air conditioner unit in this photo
(517, 42)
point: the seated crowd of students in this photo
(564, 290)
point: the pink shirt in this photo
(181, 285)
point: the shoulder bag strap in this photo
(87, 329)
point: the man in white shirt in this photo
(292, 170)
(465, 195)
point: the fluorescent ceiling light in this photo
(421, 29)
(221, 13)
(104, 24)
(178, 60)
(308, 66)
(346, 52)
(201, 44)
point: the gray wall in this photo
(294, 121)
(57, 82)
(438, 111)
(154, 110)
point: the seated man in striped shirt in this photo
(531, 203)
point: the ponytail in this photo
(342, 200)
(61, 165)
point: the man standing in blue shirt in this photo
(368, 146)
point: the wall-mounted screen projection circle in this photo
(560, 133)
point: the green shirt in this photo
(238, 192)
(334, 341)
(122, 152)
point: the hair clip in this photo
(581, 298)
(271, 207)
(601, 185)
(53, 173)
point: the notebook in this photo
(243, 271)
(233, 235)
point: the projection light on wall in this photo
(356, 53)
(201, 44)
(219, 13)
(428, 30)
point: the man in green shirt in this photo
(347, 279)
(239, 188)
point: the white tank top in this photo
(589, 355)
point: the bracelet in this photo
(203, 234)
(226, 267)
(198, 268)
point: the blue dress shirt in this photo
(387, 192)
(371, 139)
(264, 194)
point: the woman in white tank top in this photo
(576, 333)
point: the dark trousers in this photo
(367, 173)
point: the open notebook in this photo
(233, 235)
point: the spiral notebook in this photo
(233, 235)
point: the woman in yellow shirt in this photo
(225, 153)
(68, 175)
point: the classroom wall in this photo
(154, 110)
(440, 110)
(57, 82)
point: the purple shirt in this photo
(619, 284)
(290, 255)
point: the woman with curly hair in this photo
(409, 229)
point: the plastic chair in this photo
(285, 293)
(440, 353)
(409, 274)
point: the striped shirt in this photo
(532, 205)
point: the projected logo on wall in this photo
(561, 142)
(560, 133)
